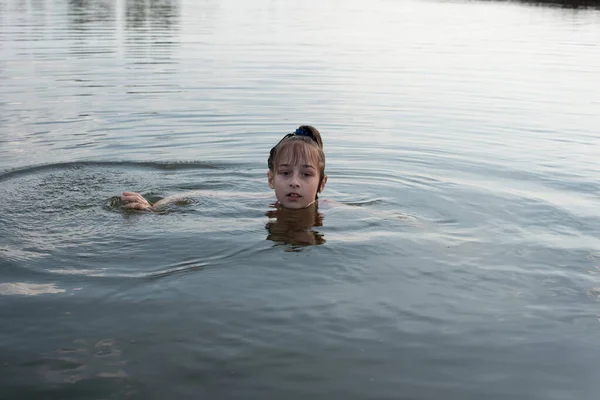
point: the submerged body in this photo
(286, 225)
(296, 173)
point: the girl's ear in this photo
(322, 185)
(270, 179)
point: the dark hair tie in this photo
(302, 131)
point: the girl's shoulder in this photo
(328, 203)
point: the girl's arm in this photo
(136, 201)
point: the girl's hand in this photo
(136, 201)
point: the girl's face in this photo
(296, 186)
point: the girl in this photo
(296, 173)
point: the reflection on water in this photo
(295, 227)
(28, 289)
(92, 28)
(153, 14)
(149, 29)
(561, 3)
(83, 13)
(152, 29)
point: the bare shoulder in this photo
(328, 203)
(363, 206)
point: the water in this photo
(462, 143)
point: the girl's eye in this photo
(307, 174)
(284, 173)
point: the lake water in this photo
(462, 141)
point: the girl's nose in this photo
(295, 182)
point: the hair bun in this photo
(312, 132)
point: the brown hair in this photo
(304, 144)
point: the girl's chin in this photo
(295, 204)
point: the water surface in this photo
(462, 143)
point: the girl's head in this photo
(297, 168)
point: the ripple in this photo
(84, 361)
(67, 219)
(10, 174)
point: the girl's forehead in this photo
(297, 162)
(299, 165)
(298, 155)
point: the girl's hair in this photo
(302, 145)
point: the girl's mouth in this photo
(294, 195)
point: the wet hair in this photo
(303, 145)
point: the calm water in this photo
(462, 141)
